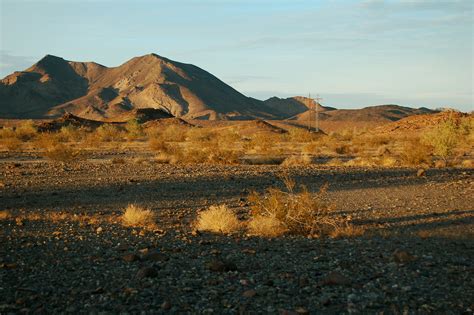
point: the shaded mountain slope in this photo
(54, 86)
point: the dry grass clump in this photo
(136, 216)
(415, 153)
(298, 212)
(347, 230)
(266, 226)
(11, 144)
(61, 153)
(297, 160)
(4, 215)
(107, 133)
(218, 219)
(26, 130)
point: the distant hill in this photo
(292, 106)
(54, 86)
(377, 114)
(422, 122)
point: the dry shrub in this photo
(26, 130)
(61, 153)
(6, 133)
(136, 216)
(134, 129)
(312, 147)
(263, 142)
(415, 153)
(159, 145)
(335, 162)
(71, 133)
(297, 160)
(107, 133)
(266, 226)
(302, 135)
(175, 133)
(388, 161)
(298, 212)
(4, 215)
(196, 134)
(11, 144)
(218, 219)
(467, 163)
(347, 230)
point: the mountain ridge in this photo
(54, 86)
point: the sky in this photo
(352, 53)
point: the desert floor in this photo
(63, 248)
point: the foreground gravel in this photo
(416, 255)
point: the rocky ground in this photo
(63, 249)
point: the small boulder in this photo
(402, 256)
(219, 265)
(335, 278)
(147, 272)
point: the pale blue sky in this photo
(353, 53)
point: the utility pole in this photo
(317, 104)
(311, 109)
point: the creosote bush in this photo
(218, 219)
(297, 212)
(136, 216)
(61, 152)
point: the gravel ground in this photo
(416, 255)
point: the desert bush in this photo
(175, 133)
(298, 212)
(415, 153)
(347, 230)
(11, 144)
(71, 133)
(301, 135)
(313, 147)
(46, 140)
(26, 130)
(218, 219)
(196, 134)
(61, 153)
(159, 145)
(446, 136)
(108, 133)
(134, 129)
(262, 142)
(297, 160)
(7, 133)
(266, 226)
(136, 216)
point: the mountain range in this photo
(54, 86)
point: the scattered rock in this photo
(421, 172)
(249, 293)
(166, 305)
(335, 278)
(147, 272)
(99, 230)
(131, 257)
(402, 256)
(155, 256)
(219, 265)
(301, 311)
